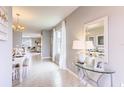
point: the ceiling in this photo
(37, 18)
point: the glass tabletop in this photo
(85, 67)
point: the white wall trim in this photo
(73, 73)
(47, 57)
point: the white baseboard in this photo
(47, 57)
(73, 73)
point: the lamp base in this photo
(81, 58)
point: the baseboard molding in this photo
(46, 57)
(73, 73)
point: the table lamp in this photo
(89, 45)
(78, 45)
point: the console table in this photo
(87, 68)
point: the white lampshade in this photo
(89, 45)
(77, 44)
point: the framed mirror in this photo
(96, 38)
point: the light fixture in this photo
(17, 26)
(89, 45)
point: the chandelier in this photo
(17, 26)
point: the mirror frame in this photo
(106, 47)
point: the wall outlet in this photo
(122, 84)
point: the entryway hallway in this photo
(45, 73)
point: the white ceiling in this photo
(37, 18)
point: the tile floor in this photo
(44, 73)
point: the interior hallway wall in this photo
(17, 39)
(6, 55)
(74, 26)
(46, 44)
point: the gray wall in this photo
(17, 39)
(46, 43)
(75, 23)
(51, 43)
(6, 55)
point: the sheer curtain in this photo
(60, 45)
(62, 60)
(54, 45)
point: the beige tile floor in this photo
(44, 73)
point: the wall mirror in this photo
(96, 38)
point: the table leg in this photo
(97, 82)
(111, 80)
(84, 83)
(80, 74)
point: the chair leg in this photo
(15, 74)
(25, 72)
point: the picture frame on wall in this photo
(92, 38)
(100, 40)
(3, 24)
(99, 64)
